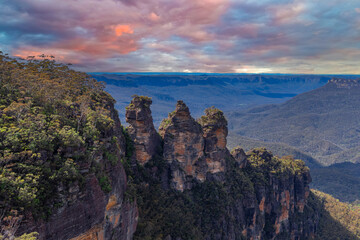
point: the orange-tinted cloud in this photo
(121, 29)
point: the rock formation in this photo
(183, 146)
(239, 156)
(279, 202)
(215, 131)
(141, 129)
(264, 198)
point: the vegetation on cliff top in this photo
(53, 124)
(212, 116)
(337, 213)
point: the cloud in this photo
(192, 35)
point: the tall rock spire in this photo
(215, 131)
(183, 145)
(141, 129)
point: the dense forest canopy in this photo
(52, 120)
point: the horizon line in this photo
(226, 73)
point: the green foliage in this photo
(144, 100)
(53, 120)
(28, 236)
(339, 220)
(263, 163)
(212, 116)
(165, 123)
(189, 214)
(105, 184)
(112, 158)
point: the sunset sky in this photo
(270, 36)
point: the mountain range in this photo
(228, 92)
(325, 122)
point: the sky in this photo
(235, 36)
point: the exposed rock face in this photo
(141, 129)
(239, 156)
(280, 205)
(183, 146)
(215, 131)
(88, 212)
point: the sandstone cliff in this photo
(87, 211)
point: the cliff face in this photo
(194, 150)
(87, 211)
(215, 131)
(264, 197)
(280, 201)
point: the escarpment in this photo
(97, 208)
(62, 151)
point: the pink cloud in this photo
(196, 35)
(107, 28)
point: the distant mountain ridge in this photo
(226, 91)
(324, 122)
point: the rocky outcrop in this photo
(271, 207)
(214, 126)
(194, 149)
(141, 129)
(280, 201)
(239, 156)
(183, 147)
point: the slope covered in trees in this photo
(323, 122)
(336, 215)
(57, 129)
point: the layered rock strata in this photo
(87, 212)
(183, 147)
(214, 126)
(141, 129)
